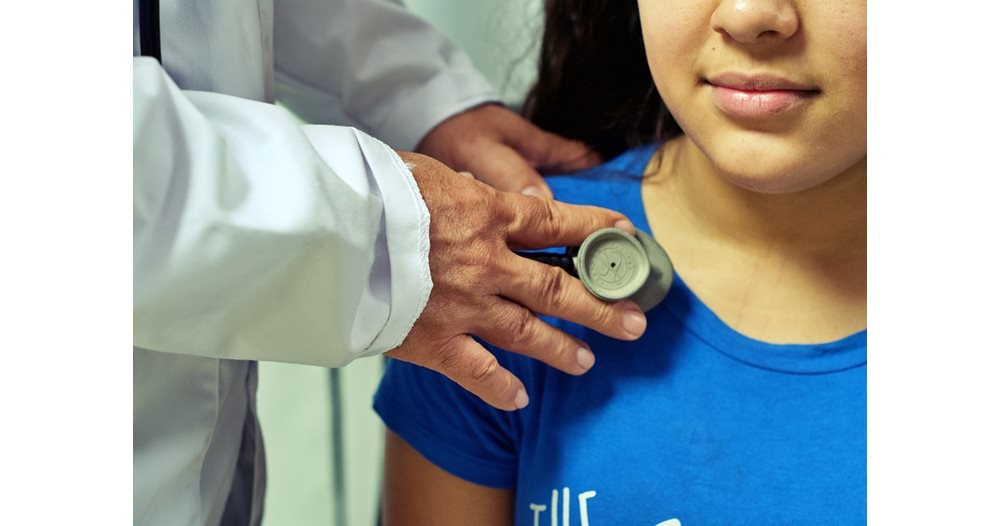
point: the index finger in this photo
(540, 223)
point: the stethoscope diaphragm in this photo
(615, 266)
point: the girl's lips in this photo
(757, 103)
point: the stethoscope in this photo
(149, 29)
(614, 266)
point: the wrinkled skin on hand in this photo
(502, 149)
(482, 288)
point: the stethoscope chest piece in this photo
(612, 266)
(615, 265)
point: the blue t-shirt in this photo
(692, 424)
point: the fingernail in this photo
(533, 191)
(634, 322)
(538, 191)
(585, 358)
(625, 224)
(521, 400)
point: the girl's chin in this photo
(776, 180)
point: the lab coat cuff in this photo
(396, 280)
(407, 235)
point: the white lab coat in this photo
(258, 238)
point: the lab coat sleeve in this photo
(255, 237)
(372, 64)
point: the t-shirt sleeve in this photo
(449, 426)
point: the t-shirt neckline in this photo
(683, 304)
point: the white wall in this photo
(296, 408)
(501, 36)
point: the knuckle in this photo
(606, 315)
(491, 216)
(553, 288)
(501, 210)
(482, 371)
(453, 359)
(535, 215)
(548, 219)
(466, 367)
(450, 359)
(518, 327)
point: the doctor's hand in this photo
(504, 150)
(482, 288)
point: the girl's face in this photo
(774, 92)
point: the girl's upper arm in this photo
(419, 493)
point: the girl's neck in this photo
(784, 268)
(825, 221)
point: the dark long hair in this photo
(594, 84)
